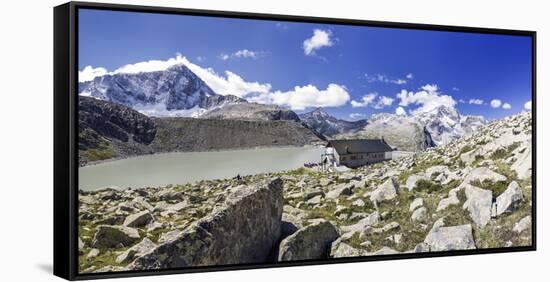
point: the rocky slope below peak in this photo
(250, 111)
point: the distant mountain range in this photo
(178, 92)
(413, 132)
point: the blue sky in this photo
(349, 70)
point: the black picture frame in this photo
(65, 143)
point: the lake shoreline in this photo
(99, 162)
(177, 168)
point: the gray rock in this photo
(139, 249)
(244, 230)
(421, 248)
(384, 251)
(418, 202)
(139, 219)
(310, 242)
(479, 202)
(109, 236)
(483, 173)
(170, 195)
(390, 226)
(411, 181)
(358, 203)
(450, 238)
(340, 249)
(325, 182)
(371, 220)
(315, 200)
(522, 225)
(438, 169)
(92, 253)
(452, 199)
(419, 214)
(358, 215)
(80, 244)
(522, 166)
(342, 189)
(168, 236)
(510, 199)
(387, 191)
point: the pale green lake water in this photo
(180, 168)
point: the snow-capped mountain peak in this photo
(175, 91)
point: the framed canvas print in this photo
(192, 140)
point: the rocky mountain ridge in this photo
(111, 131)
(405, 132)
(330, 126)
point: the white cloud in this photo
(283, 26)
(383, 101)
(527, 105)
(427, 99)
(244, 53)
(200, 58)
(400, 111)
(506, 106)
(89, 73)
(496, 103)
(299, 98)
(385, 79)
(302, 97)
(456, 89)
(371, 98)
(151, 65)
(365, 100)
(357, 115)
(321, 38)
(476, 101)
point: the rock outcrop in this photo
(479, 202)
(113, 236)
(509, 200)
(244, 230)
(310, 242)
(450, 238)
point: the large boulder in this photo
(523, 165)
(450, 238)
(483, 173)
(139, 219)
(244, 230)
(112, 236)
(387, 191)
(479, 202)
(138, 249)
(311, 242)
(342, 189)
(510, 199)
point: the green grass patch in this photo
(497, 187)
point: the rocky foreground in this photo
(472, 193)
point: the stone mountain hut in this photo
(356, 153)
